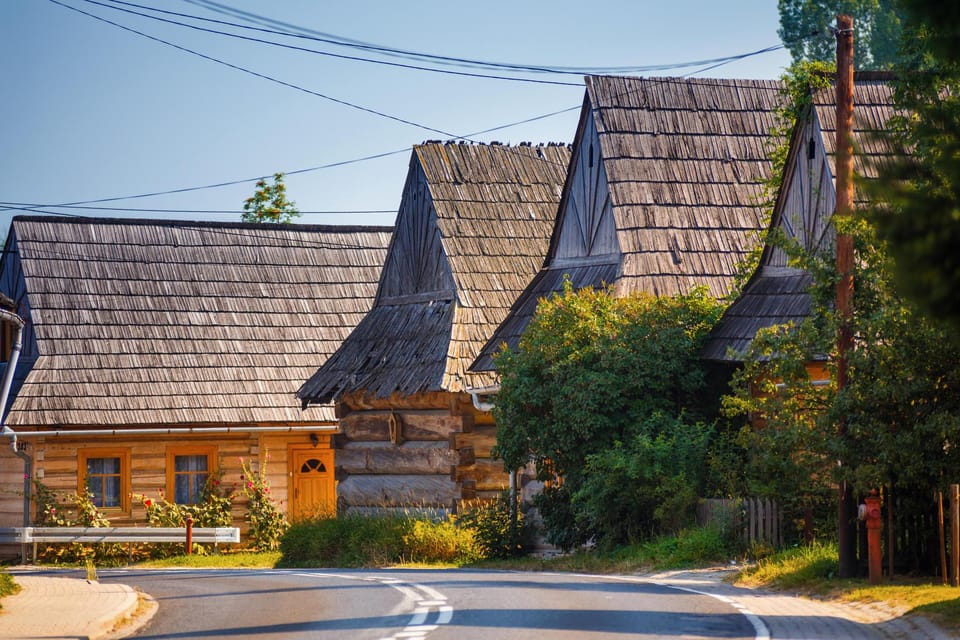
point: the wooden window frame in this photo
(123, 453)
(210, 451)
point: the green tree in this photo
(918, 194)
(269, 203)
(591, 371)
(877, 25)
(899, 406)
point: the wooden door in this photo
(313, 488)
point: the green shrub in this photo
(349, 540)
(443, 542)
(7, 586)
(267, 523)
(496, 535)
(74, 510)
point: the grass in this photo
(238, 560)
(812, 570)
(7, 586)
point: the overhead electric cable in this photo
(255, 73)
(322, 53)
(300, 32)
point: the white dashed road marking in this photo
(426, 602)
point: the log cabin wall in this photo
(428, 450)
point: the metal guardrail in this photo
(203, 535)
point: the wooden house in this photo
(159, 353)
(777, 293)
(662, 195)
(472, 229)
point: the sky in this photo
(92, 111)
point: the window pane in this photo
(111, 491)
(181, 489)
(94, 466)
(190, 463)
(95, 487)
(199, 482)
(111, 465)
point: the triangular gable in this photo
(481, 215)
(680, 165)
(777, 293)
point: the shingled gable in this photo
(162, 323)
(662, 193)
(777, 293)
(472, 229)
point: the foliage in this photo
(648, 485)
(803, 566)
(496, 535)
(589, 370)
(917, 198)
(443, 542)
(269, 203)
(348, 540)
(7, 585)
(73, 510)
(267, 522)
(900, 407)
(213, 510)
(876, 22)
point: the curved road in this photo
(423, 604)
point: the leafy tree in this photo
(269, 203)
(591, 371)
(877, 25)
(918, 194)
(899, 406)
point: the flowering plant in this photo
(267, 522)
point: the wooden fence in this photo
(753, 520)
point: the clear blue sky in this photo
(91, 111)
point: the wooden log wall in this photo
(436, 453)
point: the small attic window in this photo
(811, 149)
(590, 156)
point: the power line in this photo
(34, 206)
(315, 51)
(255, 73)
(310, 34)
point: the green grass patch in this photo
(7, 586)
(690, 549)
(813, 569)
(238, 560)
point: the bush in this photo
(495, 534)
(267, 523)
(7, 586)
(349, 540)
(443, 542)
(76, 510)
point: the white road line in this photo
(423, 599)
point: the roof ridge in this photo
(169, 222)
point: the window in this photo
(188, 469)
(105, 474)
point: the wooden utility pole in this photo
(954, 535)
(847, 526)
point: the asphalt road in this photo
(427, 604)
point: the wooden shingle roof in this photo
(777, 293)
(472, 230)
(683, 162)
(139, 322)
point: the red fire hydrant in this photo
(874, 529)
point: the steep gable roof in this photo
(472, 229)
(150, 322)
(777, 293)
(663, 193)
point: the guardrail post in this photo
(189, 535)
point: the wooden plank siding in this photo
(472, 229)
(663, 193)
(777, 293)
